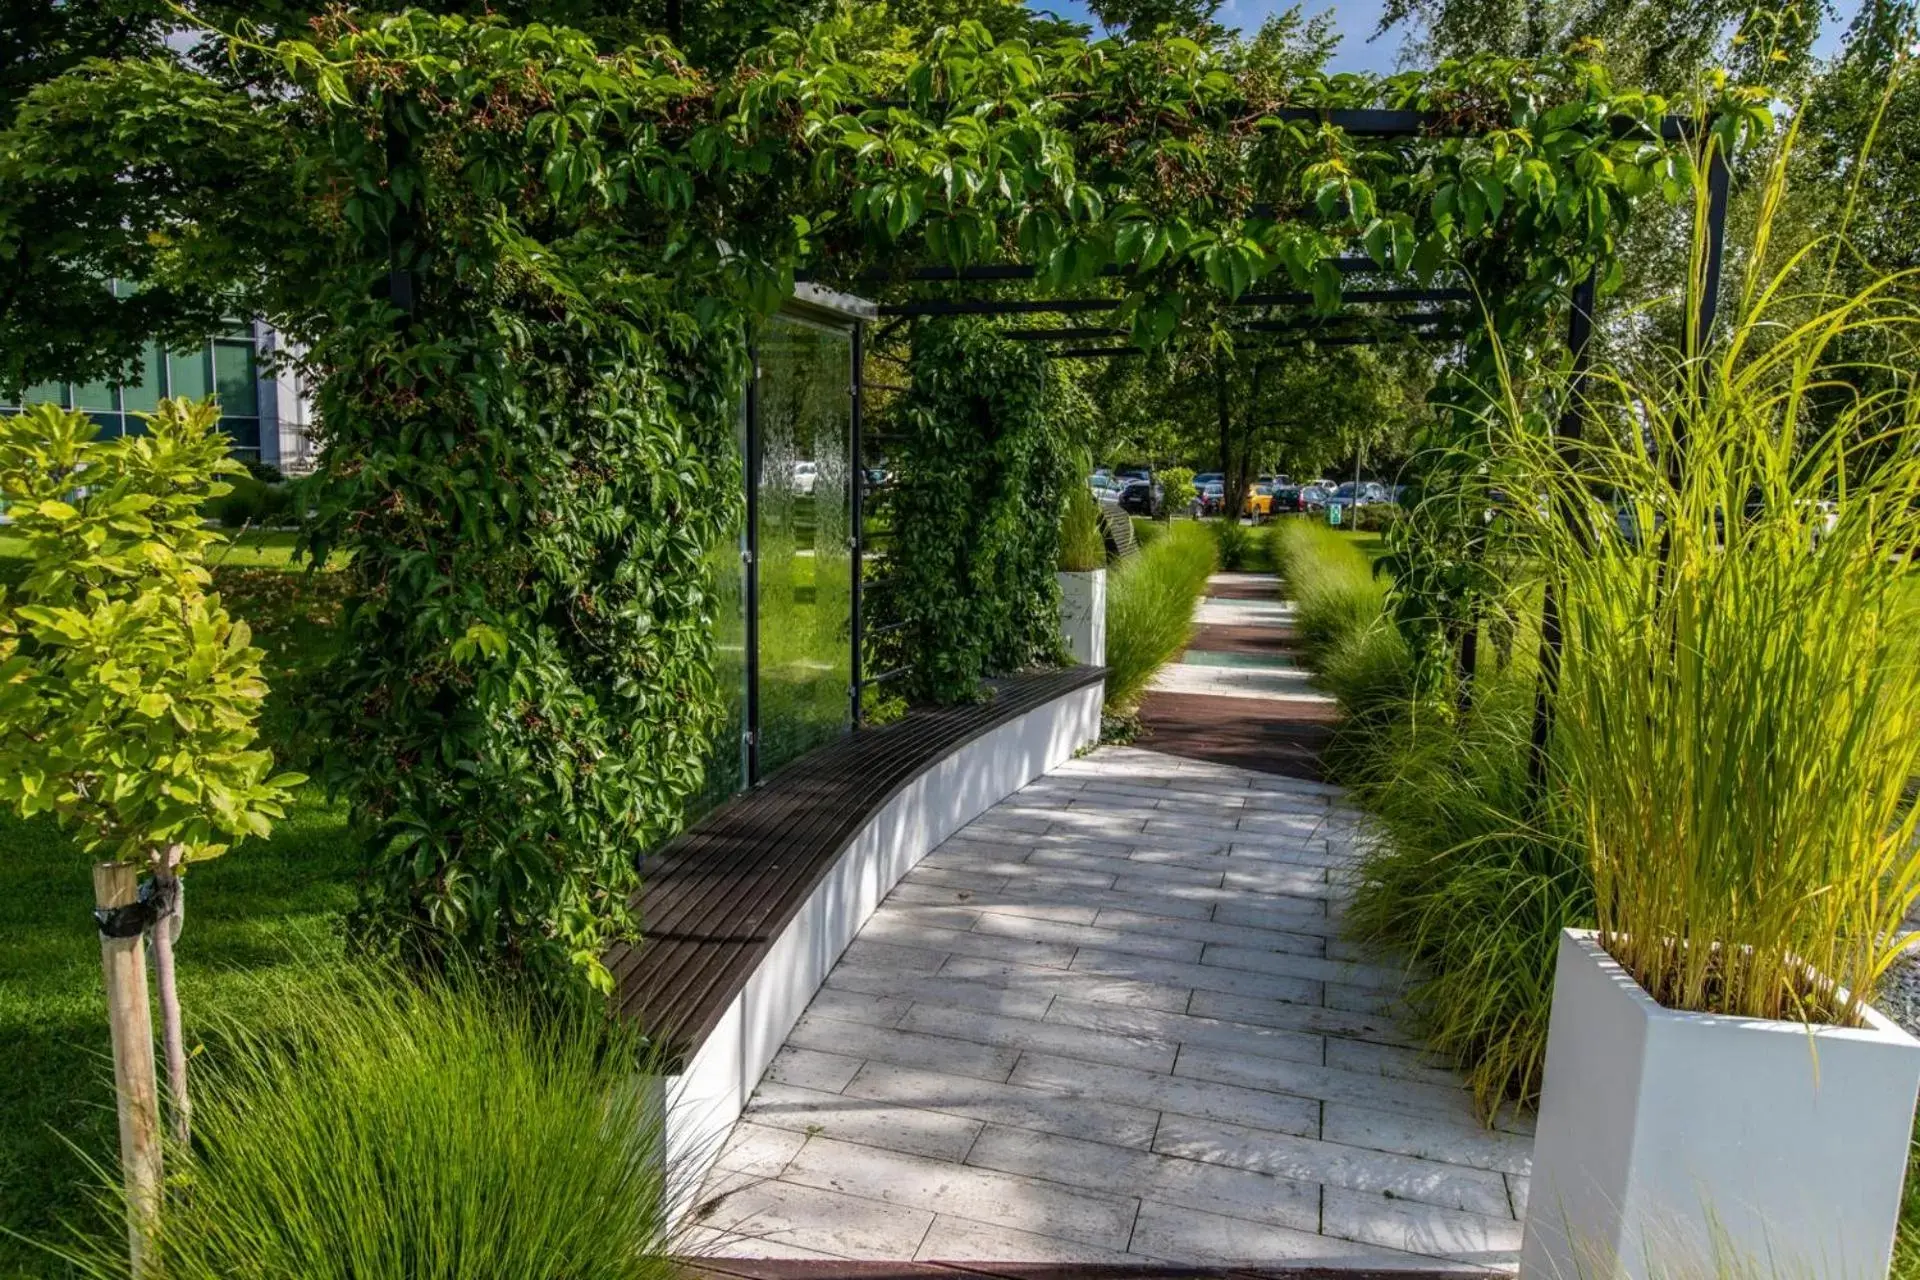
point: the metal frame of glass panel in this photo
(843, 316)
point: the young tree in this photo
(128, 696)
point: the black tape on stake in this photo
(136, 917)
(129, 921)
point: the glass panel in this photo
(96, 395)
(727, 754)
(806, 598)
(233, 375)
(187, 374)
(245, 433)
(45, 393)
(143, 396)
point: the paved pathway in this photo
(1113, 1021)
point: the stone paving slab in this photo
(1113, 1022)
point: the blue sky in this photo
(1356, 20)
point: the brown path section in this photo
(1242, 590)
(809, 1269)
(1260, 642)
(1270, 735)
(1250, 733)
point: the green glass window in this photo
(187, 374)
(143, 396)
(234, 378)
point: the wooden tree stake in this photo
(123, 962)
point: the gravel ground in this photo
(1900, 991)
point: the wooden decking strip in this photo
(714, 900)
(1249, 733)
(1280, 736)
(1262, 642)
(810, 1269)
(1242, 590)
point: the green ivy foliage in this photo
(128, 696)
(983, 472)
(528, 468)
(525, 272)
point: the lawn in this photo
(269, 907)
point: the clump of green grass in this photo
(1238, 547)
(1083, 547)
(1150, 602)
(381, 1129)
(1463, 884)
(1471, 882)
(1331, 582)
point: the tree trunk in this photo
(165, 929)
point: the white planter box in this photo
(1083, 615)
(1684, 1143)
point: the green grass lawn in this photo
(268, 907)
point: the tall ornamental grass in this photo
(393, 1131)
(1471, 881)
(1083, 546)
(1739, 714)
(1738, 720)
(1150, 605)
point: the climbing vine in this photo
(983, 469)
(525, 273)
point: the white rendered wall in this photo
(705, 1100)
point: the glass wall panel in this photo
(726, 562)
(144, 396)
(806, 597)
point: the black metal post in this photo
(857, 540)
(1719, 179)
(1706, 307)
(752, 567)
(1571, 426)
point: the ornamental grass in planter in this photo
(1736, 726)
(1083, 578)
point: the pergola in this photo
(1380, 306)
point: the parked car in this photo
(1362, 494)
(1141, 498)
(1259, 505)
(805, 475)
(1314, 496)
(1277, 481)
(1105, 488)
(1210, 497)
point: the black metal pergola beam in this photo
(1294, 325)
(1003, 271)
(1071, 306)
(1326, 340)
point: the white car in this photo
(804, 476)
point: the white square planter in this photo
(1083, 615)
(1677, 1143)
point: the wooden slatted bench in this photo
(745, 912)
